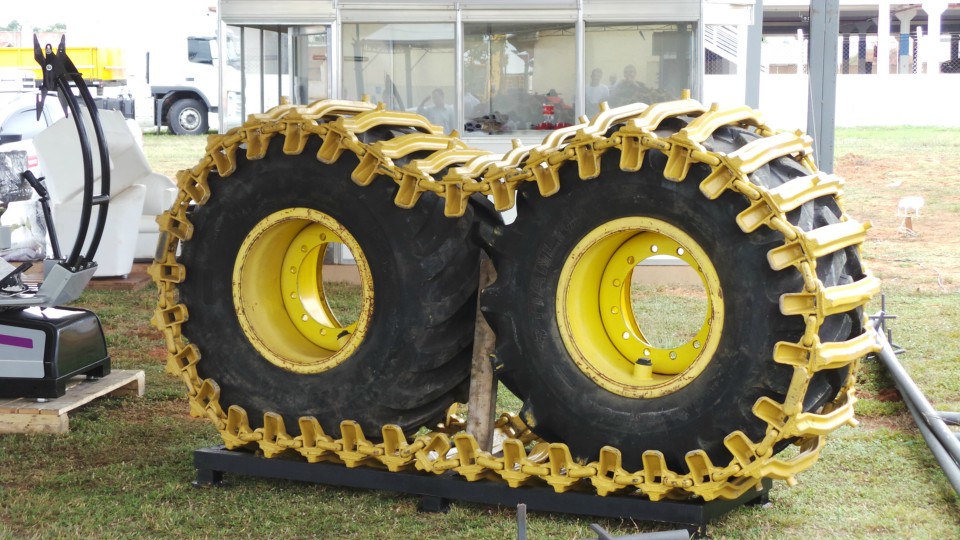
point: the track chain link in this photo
(524, 458)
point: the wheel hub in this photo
(189, 119)
(596, 318)
(279, 294)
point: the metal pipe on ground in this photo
(951, 418)
(679, 534)
(946, 461)
(942, 442)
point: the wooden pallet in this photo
(24, 415)
(134, 281)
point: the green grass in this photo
(344, 300)
(668, 316)
(125, 468)
(168, 154)
(880, 141)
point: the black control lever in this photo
(41, 189)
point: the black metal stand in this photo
(436, 491)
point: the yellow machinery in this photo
(98, 65)
(765, 374)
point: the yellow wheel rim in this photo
(279, 296)
(596, 318)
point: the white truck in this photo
(184, 79)
(182, 74)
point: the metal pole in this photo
(459, 84)
(243, 74)
(947, 463)
(754, 39)
(221, 62)
(521, 521)
(280, 64)
(821, 119)
(580, 105)
(942, 442)
(263, 67)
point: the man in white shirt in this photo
(438, 112)
(597, 92)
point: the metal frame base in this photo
(437, 491)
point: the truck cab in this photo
(185, 81)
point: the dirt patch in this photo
(896, 422)
(927, 257)
(157, 353)
(886, 394)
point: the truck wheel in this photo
(188, 117)
(265, 323)
(570, 347)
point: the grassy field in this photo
(125, 468)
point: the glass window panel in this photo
(505, 92)
(252, 72)
(265, 69)
(407, 66)
(274, 67)
(232, 52)
(312, 58)
(652, 62)
(199, 50)
(230, 96)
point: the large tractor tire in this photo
(261, 317)
(570, 347)
(768, 362)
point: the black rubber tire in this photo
(189, 106)
(563, 404)
(415, 359)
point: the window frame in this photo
(579, 12)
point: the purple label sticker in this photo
(16, 341)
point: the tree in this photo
(12, 26)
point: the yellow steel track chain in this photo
(524, 458)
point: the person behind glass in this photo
(597, 92)
(471, 101)
(628, 89)
(437, 112)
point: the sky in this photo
(133, 26)
(110, 23)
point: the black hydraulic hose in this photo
(58, 72)
(942, 442)
(64, 88)
(104, 172)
